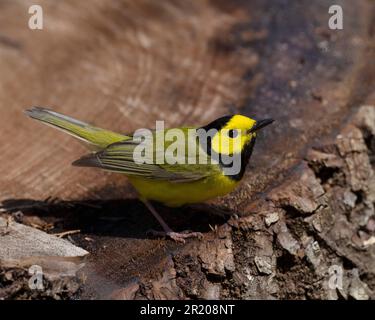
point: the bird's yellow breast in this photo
(174, 194)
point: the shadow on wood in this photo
(127, 218)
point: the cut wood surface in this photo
(21, 242)
(124, 64)
(24, 251)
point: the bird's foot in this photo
(176, 236)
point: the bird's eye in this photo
(232, 133)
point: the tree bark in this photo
(303, 222)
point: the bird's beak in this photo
(260, 124)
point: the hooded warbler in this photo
(185, 179)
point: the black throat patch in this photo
(246, 152)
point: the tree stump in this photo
(302, 224)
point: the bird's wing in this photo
(122, 157)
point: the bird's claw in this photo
(176, 236)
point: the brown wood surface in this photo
(124, 64)
(120, 65)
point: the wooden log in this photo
(124, 64)
(26, 252)
(20, 242)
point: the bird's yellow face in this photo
(235, 134)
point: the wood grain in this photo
(123, 64)
(118, 64)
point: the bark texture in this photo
(302, 224)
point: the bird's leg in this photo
(177, 236)
(164, 225)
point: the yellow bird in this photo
(185, 179)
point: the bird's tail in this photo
(95, 138)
